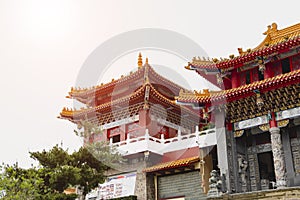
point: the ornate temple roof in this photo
(173, 164)
(138, 96)
(276, 41)
(84, 95)
(147, 91)
(242, 91)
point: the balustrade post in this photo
(179, 134)
(128, 138)
(162, 138)
(146, 134)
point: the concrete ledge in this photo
(291, 193)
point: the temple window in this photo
(260, 75)
(251, 76)
(248, 77)
(285, 65)
(114, 134)
(116, 138)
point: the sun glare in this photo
(44, 20)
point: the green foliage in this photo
(59, 170)
(63, 169)
(56, 156)
(20, 184)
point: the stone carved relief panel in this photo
(295, 148)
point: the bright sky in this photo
(43, 45)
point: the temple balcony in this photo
(161, 145)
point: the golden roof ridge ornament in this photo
(147, 61)
(140, 60)
(271, 29)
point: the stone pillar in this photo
(141, 181)
(223, 153)
(279, 164)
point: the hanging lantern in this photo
(259, 100)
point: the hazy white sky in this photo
(43, 45)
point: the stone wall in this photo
(178, 185)
(284, 194)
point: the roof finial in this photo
(140, 60)
(146, 60)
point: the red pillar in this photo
(229, 126)
(272, 121)
(268, 71)
(105, 135)
(144, 121)
(123, 132)
(234, 79)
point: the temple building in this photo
(257, 111)
(160, 139)
(176, 140)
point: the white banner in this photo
(117, 186)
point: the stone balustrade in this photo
(161, 145)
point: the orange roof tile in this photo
(172, 164)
